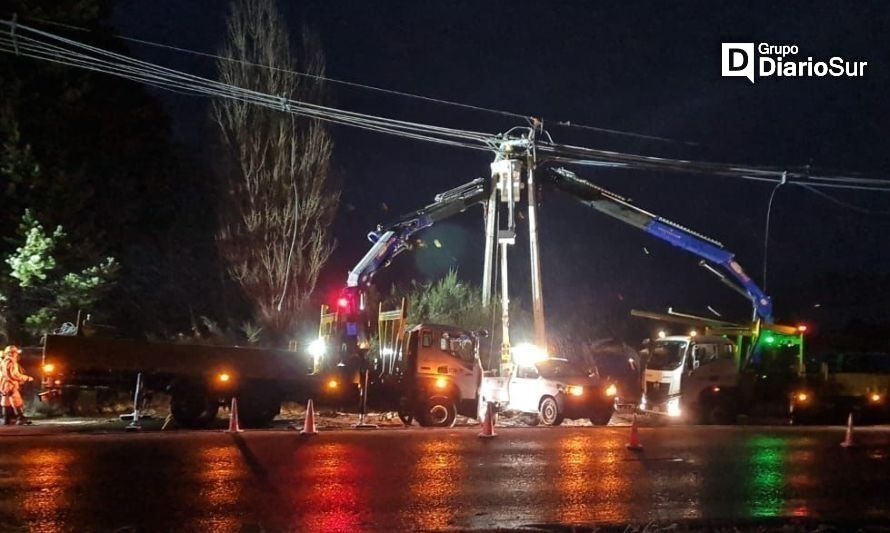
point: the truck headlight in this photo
(574, 390)
(801, 397)
(875, 397)
(673, 407)
(611, 390)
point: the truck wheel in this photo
(257, 409)
(406, 419)
(716, 413)
(192, 408)
(601, 419)
(549, 412)
(438, 412)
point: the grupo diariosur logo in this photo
(783, 61)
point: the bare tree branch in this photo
(278, 195)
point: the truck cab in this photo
(689, 377)
(438, 374)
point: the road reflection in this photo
(575, 478)
(328, 489)
(220, 489)
(436, 477)
(592, 484)
(48, 487)
(766, 479)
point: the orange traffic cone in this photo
(634, 444)
(488, 423)
(848, 440)
(234, 425)
(309, 423)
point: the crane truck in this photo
(708, 377)
(432, 373)
(713, 380)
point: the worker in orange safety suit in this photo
(11, 379)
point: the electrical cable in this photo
(842, 203)
(275, 101)
(173, 80)
(511, 114)
(73, 53)
(604, 158)
(769, 210)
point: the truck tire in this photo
(549, 412)
(602, 418)
(192, 407)
(406, 418)
(716, 413)
(406, 410)
(257, 408)
(438, 412)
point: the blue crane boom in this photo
(711, 251)
(389, 241)
(392, 239)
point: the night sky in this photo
(630, 67)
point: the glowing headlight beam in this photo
(317, 348)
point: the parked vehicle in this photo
(198, 378)
(682, 373)
(433, 375)
(618, 363)
(550, 390)
(840, 383)
(710, 379)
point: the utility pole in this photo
(507, 182)
(534, 250)
(491, 211)
(516, 157)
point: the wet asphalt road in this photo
(413, 479)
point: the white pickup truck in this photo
(551, 390)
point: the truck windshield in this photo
(666, 355)
(553, 369)
(459, 345)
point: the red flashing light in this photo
(801, 328)
(343, 302)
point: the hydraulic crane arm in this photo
(392, 239)
(708, 249)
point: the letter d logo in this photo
(738, 60)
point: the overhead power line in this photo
(36, 44)
(610, 159)
(29, 42)
(842, 203)
(501, 112)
